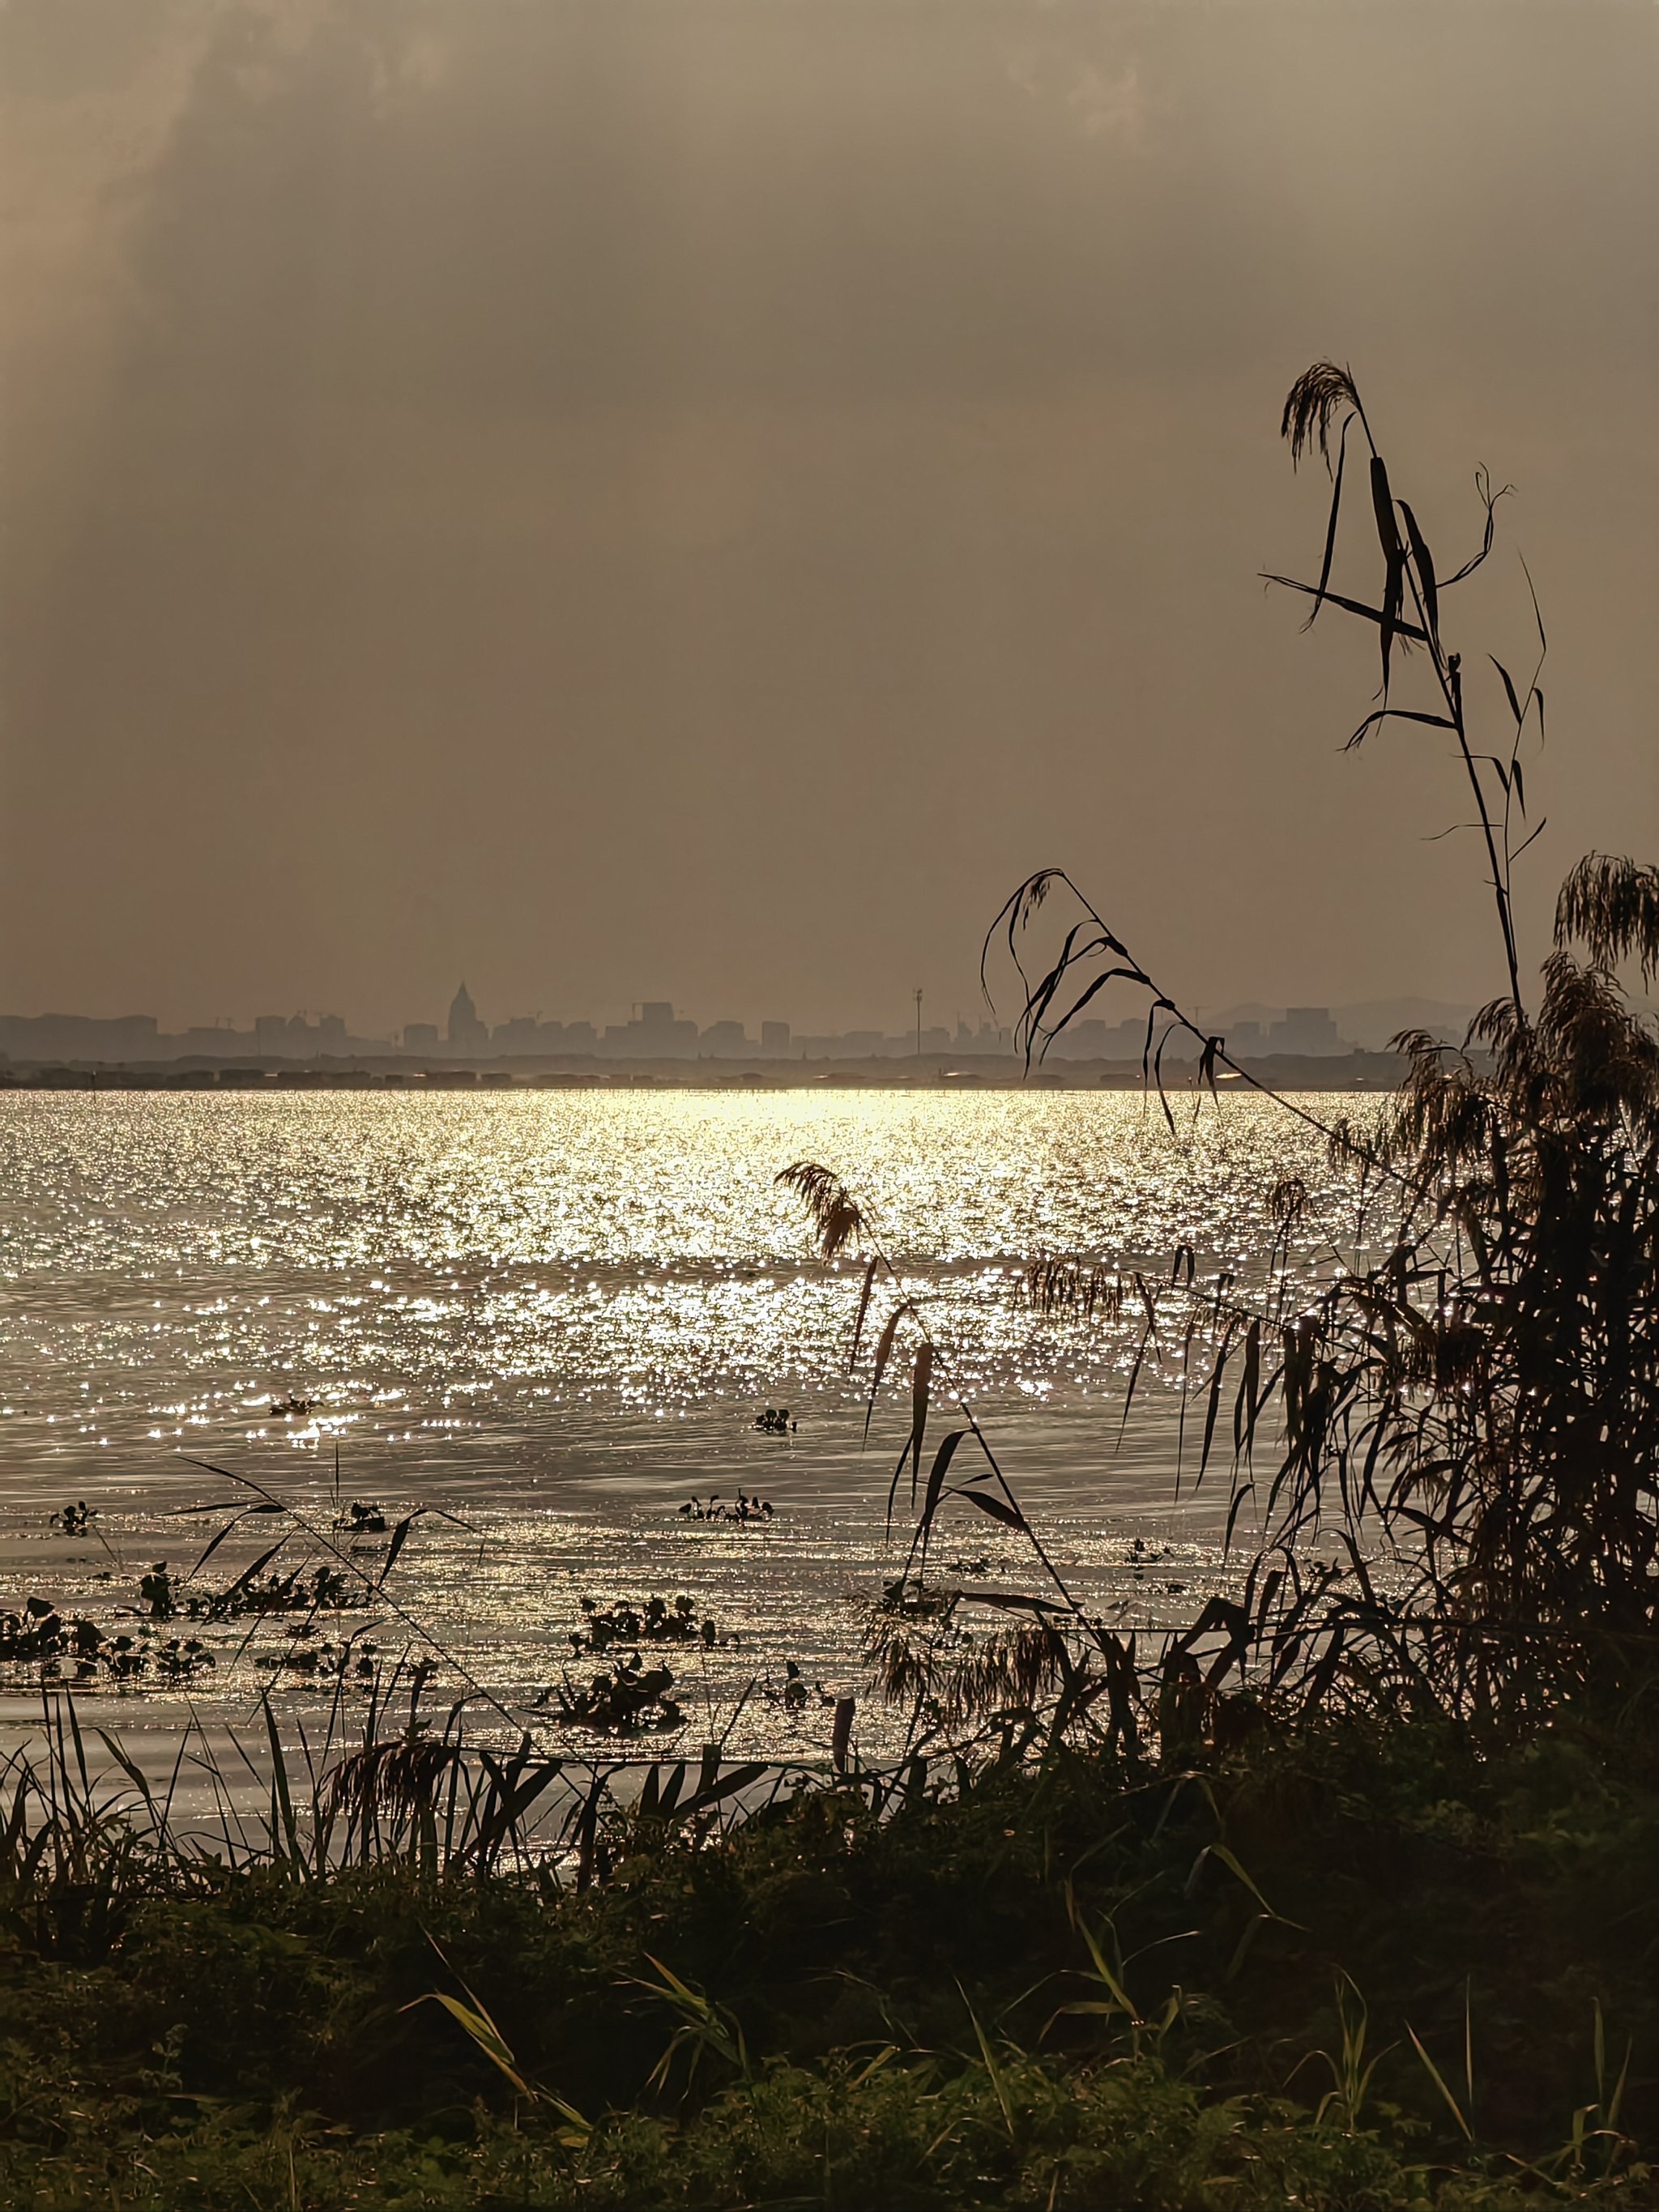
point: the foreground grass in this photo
(1060, 1989)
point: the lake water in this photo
(555, 1317)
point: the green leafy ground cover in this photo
(1059, 1988)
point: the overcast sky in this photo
(692, 499)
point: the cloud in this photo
(1102, 95)
(1109, 104)
(488, 481)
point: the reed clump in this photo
(1470, 1418)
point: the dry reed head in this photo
(1067, 1286)
(922, 1657)
(393, 1782)
(836, 1219)
(1319, 395)
(1611, 907)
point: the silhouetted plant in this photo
(1486, 1396)
(1479, 1408)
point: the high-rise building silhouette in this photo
(1304, 1029)
(466, 1032)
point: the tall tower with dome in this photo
(466, 1032)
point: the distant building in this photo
(466, 1032)
(1090, 1039)
(291, 1036)
(723, 1037)
(522, 1033)
(661, 1032)
(653, 1034)
(774, 1037)
(1083, 1040)
(1306, 1030)
(987, 1037)
(420, 1036)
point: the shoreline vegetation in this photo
(1350, 1071)
(1332, 1963)
(1341, 1896)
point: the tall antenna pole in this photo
(918, 1021)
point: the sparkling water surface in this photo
(555, 1316)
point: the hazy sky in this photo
(693, 498)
